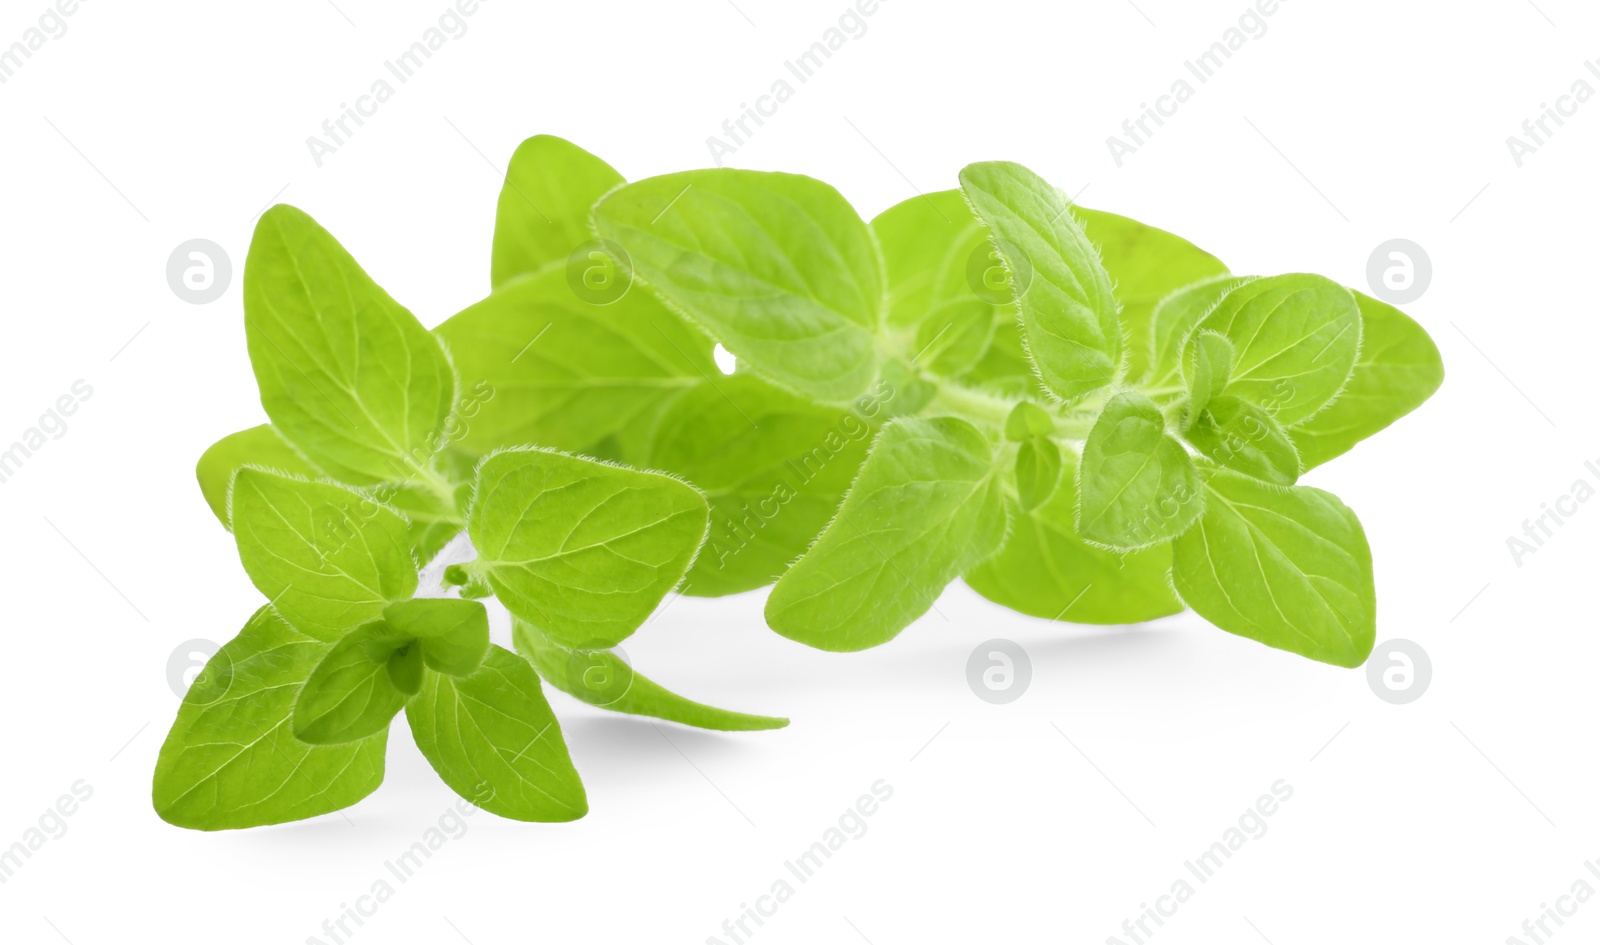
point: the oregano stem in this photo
(988, 409)
(978, 407)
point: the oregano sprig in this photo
(1167, 408)
(364, 475)
(1083, 417)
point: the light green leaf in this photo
(1005, 367)
(231, 759)
(777, 267)
(926, 507)
(1295, 340)
(934, 252)
(406, 668)
(928, 243)
(348, 376)
(495, 742)
(1069, 317)
(1241, 436)
(1038, 471)
(454, 634)
(564, 372)
(773, 466)
(601, 678)
(1136, 484)
(1146, 265)
(1046, 570)
(1397, 370)
(433, 522)
(582, 550)
(953, 338)
(327, 557)
(543, 214)
(1173, 322)
(1028, 420)
(351, 693)
(1288, 567)
(257, 446)
(1210, 364)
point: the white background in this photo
(1451, 819)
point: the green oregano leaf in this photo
(1173, 321)
(432, 517)
(1069, 316)
(543, 213)
(929, 243)
(773, 466)
(1046, 570)
(926, 506)
(569, 372)
(327, 557)
(1398, 369)
(1136, 484)
(934, 252)
(231, 759)
(1288, 567)
(452, 635)
(348, 376)
(583, 550)
(353, 692)
(953, 337)
(1241, 436)
(1146, 265)
(1028, 420)
(492, 738)
(1210, 364)
(777, 267)
(1038, 470)
(256, 446)
(601, 678)
(1295, 341)
(406, 668)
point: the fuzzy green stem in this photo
(984, 408)
(978, 407)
